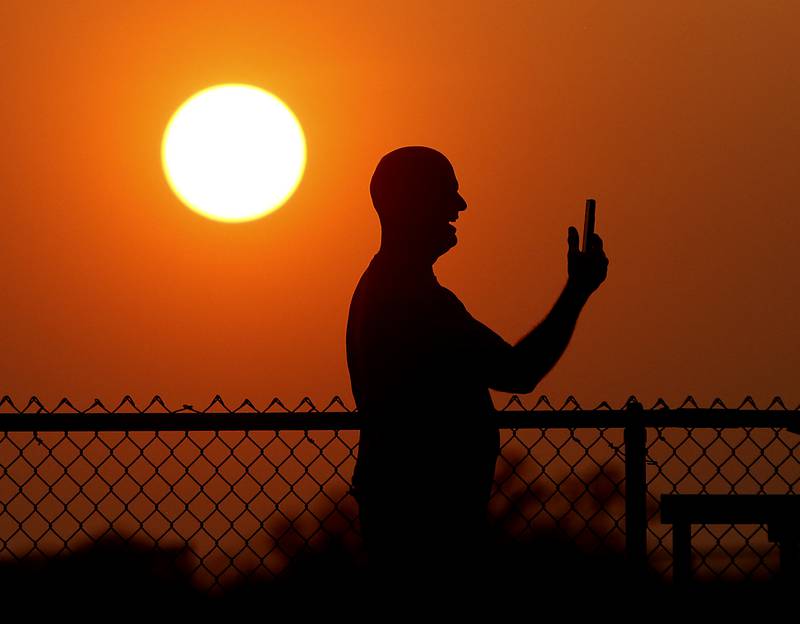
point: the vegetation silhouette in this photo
(543, 571)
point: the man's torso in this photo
(427, 427)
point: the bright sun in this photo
(233, 152)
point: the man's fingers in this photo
(597, 242)
(573, 240)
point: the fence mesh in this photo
(231, 505)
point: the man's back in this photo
(411, 350)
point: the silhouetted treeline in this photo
(533, 574)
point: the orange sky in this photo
(680, 118)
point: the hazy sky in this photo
(681, 118)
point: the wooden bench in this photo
(780, 512)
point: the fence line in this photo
(242, 491)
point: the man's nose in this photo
(462, 204)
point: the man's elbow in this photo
(517, 372)
(528, 387)
(517, 381)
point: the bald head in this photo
(410, 179)
(415, 193)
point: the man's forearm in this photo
(541, 348)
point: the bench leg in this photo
(789, 559)
(681, 553)
(786, 537)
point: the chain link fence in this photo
(237, 494)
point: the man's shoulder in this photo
(378, 285)
(371, 290)
(386, 297)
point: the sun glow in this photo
(233, 152)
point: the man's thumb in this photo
(572, 238)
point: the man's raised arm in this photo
(536, 353)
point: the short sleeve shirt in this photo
(420, 369)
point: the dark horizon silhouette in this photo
(542, 572)
(421, 367)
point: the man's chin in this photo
(448, 244)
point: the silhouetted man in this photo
(421, 367)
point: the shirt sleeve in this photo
(484, 353)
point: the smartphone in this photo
(588, 224)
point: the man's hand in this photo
(586, 269)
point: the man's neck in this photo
(401, 260)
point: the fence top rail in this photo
(342, 421)
(217, 404)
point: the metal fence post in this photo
(635, 487)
